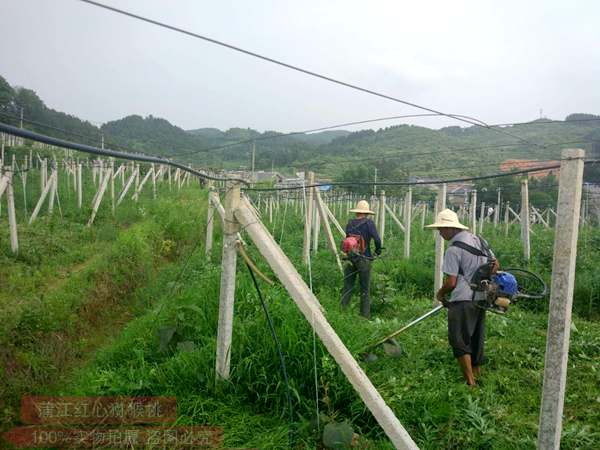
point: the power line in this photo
(408, 183)
(26, 134)
(299, 69)
(62, 130)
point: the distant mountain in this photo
(153, 134)
(397, 152)
(322, 137)
(210, 133)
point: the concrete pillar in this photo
(561, 299)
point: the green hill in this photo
(397, 152)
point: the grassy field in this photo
(164, 342)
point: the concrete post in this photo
(381, 225)
(525, 220)
(12, 219)
(308, 218)
(438, 276)
(506, 218)
(561, 299)
(210, 220)
(473, 211)
(228, 269)
(407, 221)
(481, 218)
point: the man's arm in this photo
(375, 235)
(451, 268)
(447, 287)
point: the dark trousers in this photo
(466, 330)
(360, 267)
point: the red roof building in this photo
(524, 164)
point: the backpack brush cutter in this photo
(500, 290)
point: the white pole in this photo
(381, 215)
(209, 221)
(561, 299)
(407, 221)
(79, 190)
(308, 219)
(228, 269)
(473, 211)
(438, 276)
(525, 220)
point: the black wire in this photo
(26, 134)
(409, 183)
(50, 127)
(279, 352)
(301, 70)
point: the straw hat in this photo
(362, 207)
(447, 219)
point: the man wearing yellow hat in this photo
(359, 263)
(466, 321)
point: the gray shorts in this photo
(466, 330)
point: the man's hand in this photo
(441, 297)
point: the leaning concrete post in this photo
(228, 268)
(322, 209)
(308, 218)
(525, 220)
(209, 221)
(309, 306)
(438, 276)
(561, 299)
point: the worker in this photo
(359, 232)
(466, 321)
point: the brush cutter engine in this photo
(500, 290)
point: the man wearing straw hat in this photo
(360, 264)
(466, 321)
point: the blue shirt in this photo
(366, 228)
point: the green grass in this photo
(143, 275)
(71, 287)
(424, 386)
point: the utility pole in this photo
(102, 141)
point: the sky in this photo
(497, 61)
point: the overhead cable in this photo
(300, 69)
(26, 134)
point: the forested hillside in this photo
(397, 152)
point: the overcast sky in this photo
(500, 61)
